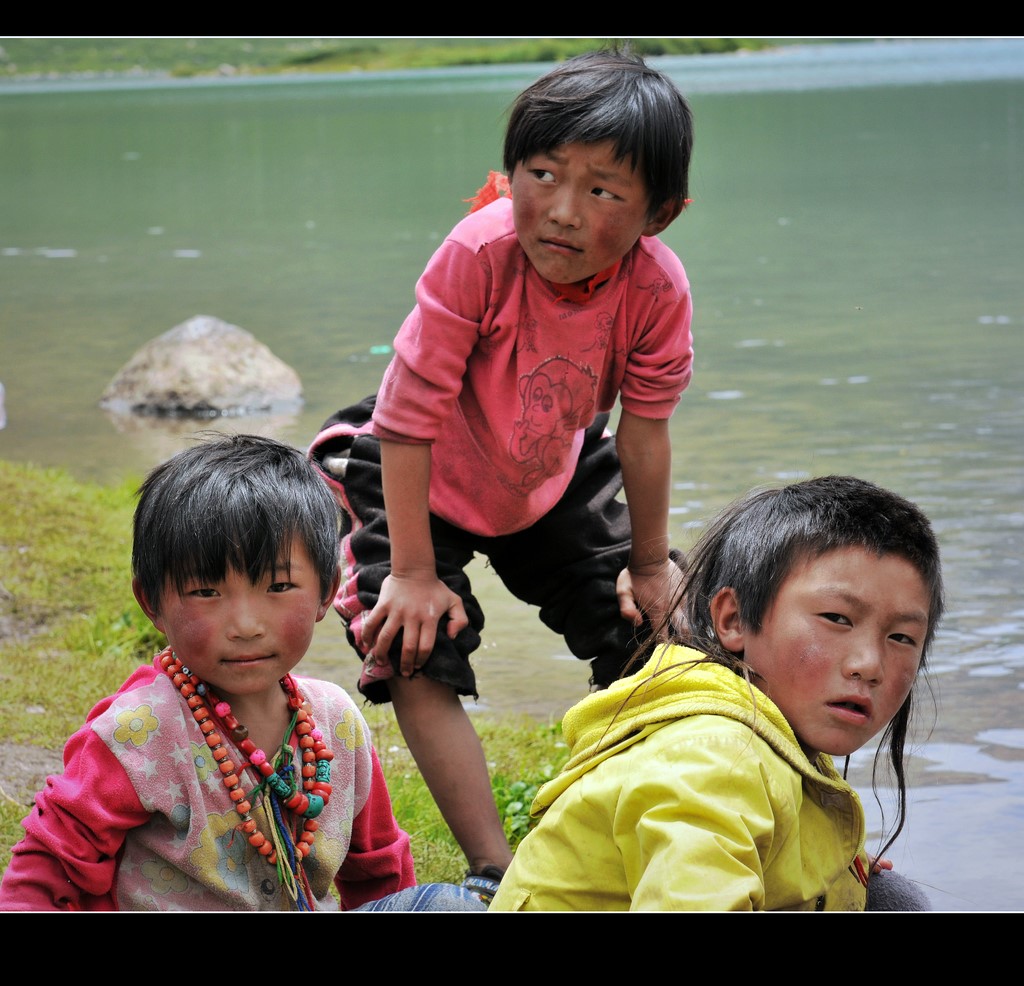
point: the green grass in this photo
(21, 57)
(70, 627)
(71, 632)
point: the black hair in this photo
(757, 541)
(231, 502)
(613, 95)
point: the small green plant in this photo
(514, 797)
(514, 803)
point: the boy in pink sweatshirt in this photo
(551, 300)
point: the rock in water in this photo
(203, 368)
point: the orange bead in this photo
(308, 770)
(298, 803)
(227, 767)
(248, 826)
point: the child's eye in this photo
(280, 587)
(903, 638)
(603, 193)
(836, 618)
(203, 592)
(541, 175)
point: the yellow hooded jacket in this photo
(686, 789)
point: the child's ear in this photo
(726, 620)
(325, 605)
(666, 214)
(143, 601)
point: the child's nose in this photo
(565, 208)
(865, 661)
(246, 621)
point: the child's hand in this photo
(652, 591)
(414, 606)
(879, 863)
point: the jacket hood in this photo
(676, 682)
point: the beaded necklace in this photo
(284, 850)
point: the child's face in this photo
(578, 210)
(840, 646)
(239, 637)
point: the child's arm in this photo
(68, 857)
(713, 818)
(707, 816)
(650, 585)
(412, 599)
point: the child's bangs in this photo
(245, 535)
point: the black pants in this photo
(566, 564)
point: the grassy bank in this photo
(71, 632)
(181, 57)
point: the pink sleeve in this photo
(661, 362)
(379, 860)
(68, 857)
(426, 374)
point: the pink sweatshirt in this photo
(502, 375)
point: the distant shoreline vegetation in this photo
(90, 58)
